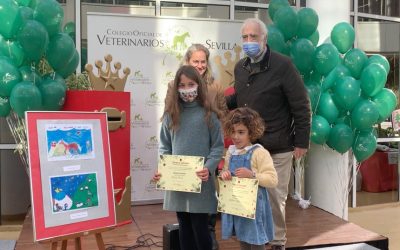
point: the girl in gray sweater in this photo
(190, 127)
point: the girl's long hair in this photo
(173, 105)
(207, 76)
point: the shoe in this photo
(214, 241)
(278, 247)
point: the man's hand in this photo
(299, 152)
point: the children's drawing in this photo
(69, 142)
(73, 192)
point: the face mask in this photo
(252, 49)
(188, 95)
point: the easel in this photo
(77, 239)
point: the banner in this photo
(153, 48)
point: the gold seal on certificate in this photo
(178, 173)
(238, 197)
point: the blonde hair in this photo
(173, 105)
(207, 76)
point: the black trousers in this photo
(193, 231)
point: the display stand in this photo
(78, 241)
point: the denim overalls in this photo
(258, 231)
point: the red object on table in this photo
(377, 174)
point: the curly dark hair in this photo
(249, 118)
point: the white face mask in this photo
(188, 95)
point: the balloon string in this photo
(33, 72)
(319, 97)
(9, 49)
(17, 127)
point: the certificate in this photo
(238, 197)
(178, 173)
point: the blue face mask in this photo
(252, 49)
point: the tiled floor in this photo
(383, 219)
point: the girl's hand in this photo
(203, 174)
(244, 173)
(156, 176)
(225, 175)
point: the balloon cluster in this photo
(30, 32)
(345, 86)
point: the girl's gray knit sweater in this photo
(194, 137)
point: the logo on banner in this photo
(139, 165)
(152, 143)
(138, 121)
(154, 100)
(178, 41)
(139, 78)
(167, 77)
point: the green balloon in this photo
(344, 118)
(338, 72)
(364, 145)
(26, 14)
(342, 36)
(364, 115)
(56, 77)
(10, 18)
(340, 138)
(60, 51)
(53, 95)
(287, 21)
(326, 57)
(379, 59)
(70, 67)
(30, 74)
(14, 51)
(373, 79)
(25, 96)
(23, 2)
(4, 106)
(346, 93)
(355, 60)
(9, 77)
(302, 53)
(386, 102)
(34, 39)
(327, 108)
(33, 3)
(50, 14)
(308, 22)
(320, 129)
(314, 38)
(69, 28)
(276, 40)
(274, 5)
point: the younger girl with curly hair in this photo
(247, 160)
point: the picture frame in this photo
(70, 173)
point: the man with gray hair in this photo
(269, 83)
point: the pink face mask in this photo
(188, 95)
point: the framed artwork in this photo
(70, 173)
